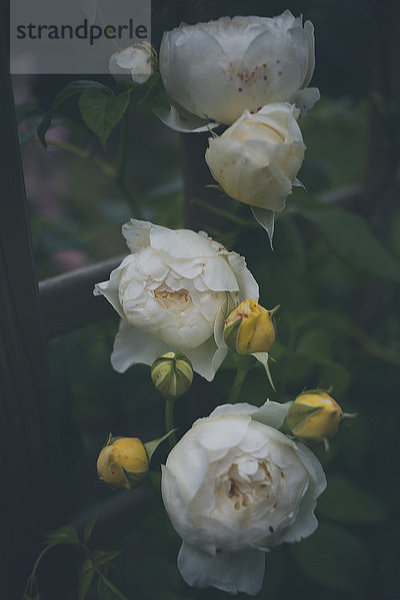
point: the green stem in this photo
(169, 420)
(109, 170)
(122, 164)
(219, 212)
(237, 384)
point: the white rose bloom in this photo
(216, 70)
(137, 61)
(234, 487)
(256, 160)
(173, 293)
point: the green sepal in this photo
(262, 358)
(231, 332)
(152, 446)
(266, 218)
(298, 414)
(134, 479)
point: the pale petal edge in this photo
(232, 572)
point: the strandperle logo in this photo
(75, 37)
(84, 31)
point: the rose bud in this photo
(257, 159)
(123, 462)
(314, 416)
(249, 328)
(172, 374)
(137, 61)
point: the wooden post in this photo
(28, 453)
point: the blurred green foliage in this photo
(334, 271)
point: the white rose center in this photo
(180, 311)
(248, 482)
(171, 300)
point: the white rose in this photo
(234, 487)
(137, 61)
(173, 293)
(216, 70)
(257, 159)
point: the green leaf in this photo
(107, 590)
(72, 89)
(155, 96)
(350, 237)
(64, 535)
(102, 558)
(89, 528)
(334, 558)
(266, 218)
(345, 501)
(86, 579)
(102, 111)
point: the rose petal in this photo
(132, 347)
(305, 99)
(305, 523)
(231, 572)
(200, 358)
(180, 243)
(240, 408)
(247, 284)
(182, 121)
(137, 234)
(271, 413)
(222, 432)
(314, 468)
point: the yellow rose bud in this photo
(249, 328)
(314, 416)
(172, 374)
(123, 463)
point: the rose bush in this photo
(256, 160)
(173, 293)
(234, 487)
(216, 70)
